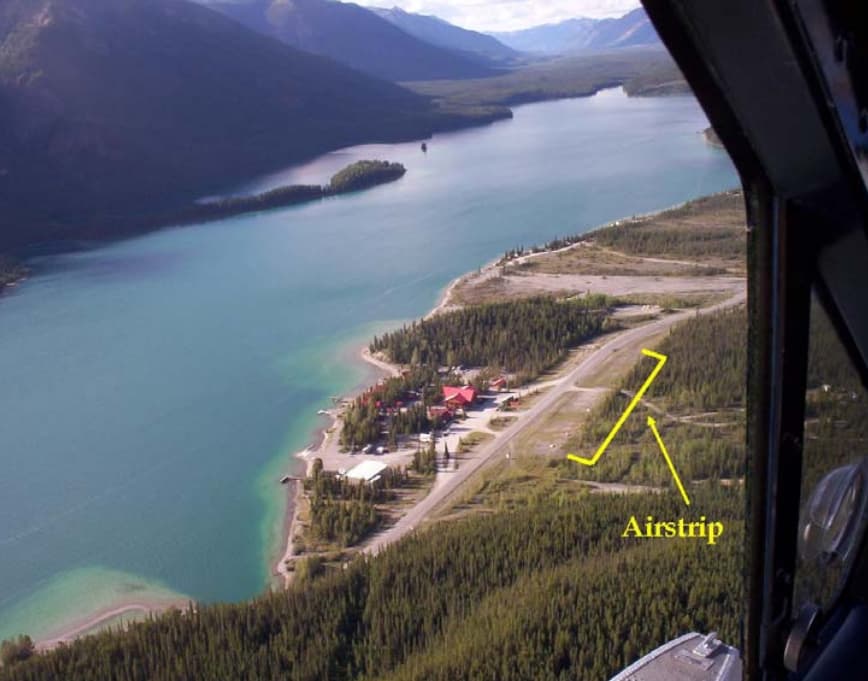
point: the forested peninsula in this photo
(356, 176)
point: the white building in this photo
(369, 471)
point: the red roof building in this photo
(458, 398)
(439, 411)
(498, 383)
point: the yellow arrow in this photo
(661, 360)
(653, 425)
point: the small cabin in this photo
(497, 384)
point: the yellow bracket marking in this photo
(653, 425)
(661, 360)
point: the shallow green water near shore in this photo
(154, 388)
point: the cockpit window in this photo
(832, 506)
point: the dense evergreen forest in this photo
(525, 337)
(538, 593)
(344, 512)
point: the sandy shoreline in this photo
(388, 368)
(321, 439)
(105, 616)
(444, 303)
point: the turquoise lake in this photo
(153, 390)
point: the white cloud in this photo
(509, 15)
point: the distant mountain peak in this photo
(584, 34)
(438, 31)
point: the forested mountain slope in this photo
(356, 37)
(534, 593)
(573, 35)
(115, 111)
(439, 32)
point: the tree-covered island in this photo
(364, 174)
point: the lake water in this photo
(153, 390)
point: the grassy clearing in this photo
(589, 258)
(466, 443)
(710, 229)
(509, 483)
(496, 288)
(501, 422)
(547, 437)
(680, 301)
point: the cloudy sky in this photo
(509, 15)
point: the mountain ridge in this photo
(355, 36)
(438, 31)
(583, 34)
